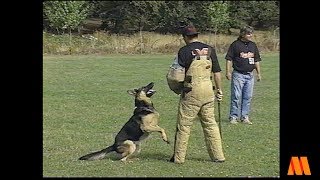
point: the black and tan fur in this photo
(144, 120)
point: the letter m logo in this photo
(299, 166)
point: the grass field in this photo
(85, 104)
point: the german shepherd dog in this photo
(144, 120)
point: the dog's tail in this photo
(98, 155)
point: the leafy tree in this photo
(144, 11)
(218, 17)
(197, 14)
(260, 14)
(66, 14)
(170, 13)
(113, 14)
(162, 16)
(267, 14)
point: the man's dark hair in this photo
(246, 30)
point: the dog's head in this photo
(142, 95)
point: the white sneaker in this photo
(246, 120)
(233, 120)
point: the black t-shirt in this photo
(243, 55)
(185, 56)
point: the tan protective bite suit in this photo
(199, 101)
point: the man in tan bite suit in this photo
(197, 96)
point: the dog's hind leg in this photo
(138, 143)
(126, 150)
(138, 148)
(137, 151)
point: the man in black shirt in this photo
(197, 96)
(243, 55)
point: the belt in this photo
(243, 72)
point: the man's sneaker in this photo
(219, 160)
(246, 120)
(233, 120)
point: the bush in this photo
(152, 43)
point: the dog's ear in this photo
(132, 92)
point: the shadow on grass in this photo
(165, 157)
(155, 156)
(159, 156)
(142, 156)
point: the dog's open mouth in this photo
(150, 92)
(148, 89)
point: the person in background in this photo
(244, 57)
(197, 96)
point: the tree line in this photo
(128, 17)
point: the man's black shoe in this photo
(172, 159)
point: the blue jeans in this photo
(241, 94)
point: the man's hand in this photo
(228, 76)
(219, 95)
(258, 77)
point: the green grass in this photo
(85, 104)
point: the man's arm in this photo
(217, 82)
(228, 69)
(257, 64)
